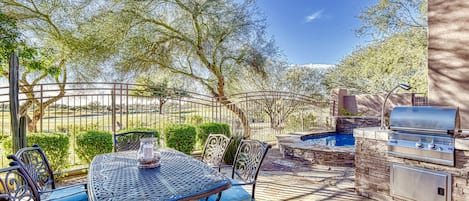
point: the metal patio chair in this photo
(130, 140)
(214, 150)
(246, 166)
(15, 184)
(35, 162)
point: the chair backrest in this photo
(248, 160)
(215, 148)
(15, 184)
(130, 140)
(35, 162)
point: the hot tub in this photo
(322, 148)
(330, 139)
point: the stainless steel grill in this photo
(424, 133)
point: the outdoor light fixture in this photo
(400, 85)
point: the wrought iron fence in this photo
(116, 106)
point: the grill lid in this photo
(425, 118)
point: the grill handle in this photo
(435, 131)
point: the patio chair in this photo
(214, 150)
(130, 140)
(246, 166)
(35, 162)
(15, 184)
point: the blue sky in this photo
(314, 31)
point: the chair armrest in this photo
(222, 166)
(235, 182)
(225, 165)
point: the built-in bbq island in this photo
(422, 155)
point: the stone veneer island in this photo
(372, 165)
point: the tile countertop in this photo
(461, 142)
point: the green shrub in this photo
(346, 112)
(54, 145)
(92, 143)
(76, 129)
(232, 148)
(181, 137)
(301, 122)
(136, 124)
(194, 119)
(203, 130)
(157, 134)
(3, 136)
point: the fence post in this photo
(113, 108)
(126, 106)
(246, 111)
(413, 99)
(41, 106)
(180, 110)
(14, 102)
(213, 107)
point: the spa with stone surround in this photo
(296, 146)
(373, 165)
(293, 145)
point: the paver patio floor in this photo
(284, 179)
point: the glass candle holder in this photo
(148, 153)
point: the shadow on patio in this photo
(285, 179)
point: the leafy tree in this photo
(8, 36)
(208, 41)
(397, 54)
(52, 29)
(389, 17)
(36, 65)
(160, 90)
(308, 80)
(380, 67)
(281, 88)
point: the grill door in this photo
(420, 184)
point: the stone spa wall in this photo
(291, 146)
(329, 156)
(372, 166)
(345, 124)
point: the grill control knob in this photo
(432, 146)
(419, 145)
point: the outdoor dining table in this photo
(116, 176)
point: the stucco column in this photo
(448, 55)
(337, 95)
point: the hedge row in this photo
(182, 137)
(56, 146)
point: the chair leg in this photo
(218, 196)
(253, 191)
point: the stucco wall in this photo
(370, 104)
(448, 55)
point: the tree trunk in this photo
(31, 125)
(161, 102)
(39, 112)
(160, 110)
(239, 113)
